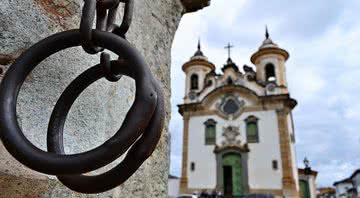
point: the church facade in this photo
(238, 126)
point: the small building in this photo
(348, 187)
(307, 183)
(355, 178)
(326, 192)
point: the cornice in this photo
(270, 50)
(285, 99)
(240, 148)
(198, 62)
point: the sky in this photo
(323, 39)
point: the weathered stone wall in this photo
(98, 113)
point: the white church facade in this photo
(238, 127)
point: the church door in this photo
(232, 173)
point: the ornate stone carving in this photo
(230, 105)
(231, 133)
(232, 142)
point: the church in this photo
(238, 128)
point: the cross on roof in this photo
(228, 47)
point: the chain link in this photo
(105, 12)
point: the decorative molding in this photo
(194, 5)
(270, 50)
(261, 103)
(251, 118)
(244, 148)
(210, 122)
(198, 62)
(239, 104)
(231, 133)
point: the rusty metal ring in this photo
(138, 153)
(136, 120)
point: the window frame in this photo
(210, 123)
(194, 85)
(272, 72)
(252, 120)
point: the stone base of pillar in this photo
(183, 185)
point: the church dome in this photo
(198, 59)
(199, 55)
(268, 43)
(269, 47)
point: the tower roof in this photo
(269, 47)
(199, 54)
(267, 43)
(198, 59)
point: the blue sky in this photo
(323, 39)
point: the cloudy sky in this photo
(323, 38)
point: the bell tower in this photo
(196, 69)
(270, 63)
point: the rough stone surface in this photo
(99, 111)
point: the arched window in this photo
(252, 131)
(210, 132)
(270, 72)
(194, 80)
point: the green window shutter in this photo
(210, 135)
(252, 132)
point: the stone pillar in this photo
(184, 178)
(99, 111)
(288, 180)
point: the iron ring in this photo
(138, 153)
(135, 121)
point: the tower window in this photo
(275, 165)
(194, 80)
(192, 166)
(270, 72)
(252, 132)
(210, 132)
